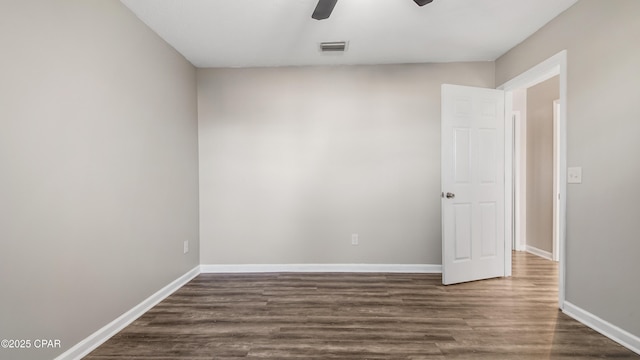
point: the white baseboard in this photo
(604, 327)
(323, 268)
(96, 339)
(543, 254)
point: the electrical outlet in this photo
(354, 239)
(186, 246)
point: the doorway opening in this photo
(546, 73)
(535, 167)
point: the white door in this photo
(473, 173)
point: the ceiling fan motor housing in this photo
(325, 7)
(422, 2)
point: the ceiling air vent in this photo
(333, 46)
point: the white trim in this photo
(556, 181)
(96, 339)
(538, 252)
(508, 182)
(520, 181)
(537, 74)
(555, 65)
(604, 327)
(322, 268)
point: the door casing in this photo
(555, 65)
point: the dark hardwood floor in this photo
(362, 316)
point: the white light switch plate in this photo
(574, 175)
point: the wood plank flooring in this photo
(362, 316)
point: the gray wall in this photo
(98, 168)
(295, 160)
(603, 127)
(540, 163)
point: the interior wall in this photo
(293, 161)
(603, 75)
(98, 168)
(540, 163)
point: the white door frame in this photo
(556, 178)
(520, 183)
(556, 183)
(555, 65)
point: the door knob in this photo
(450, 195)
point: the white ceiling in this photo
(247, 33)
